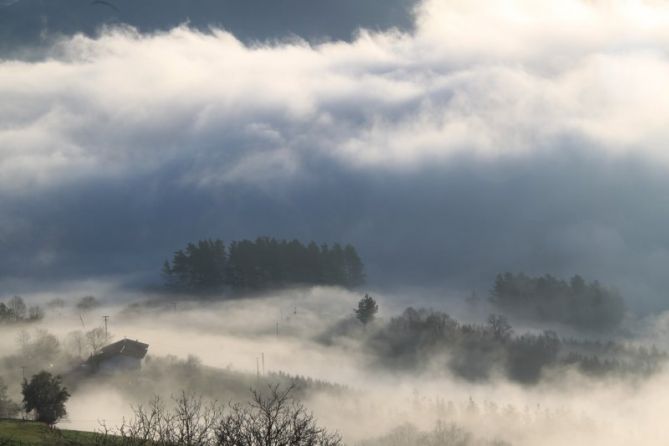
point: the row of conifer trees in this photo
(263, 263)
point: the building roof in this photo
(124, 347)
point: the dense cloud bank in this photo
(519, 136)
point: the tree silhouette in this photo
(273, 419)
(501, 329)
(247, 265)
(87, 303)
(45, 395)
(367, 309)
(17, 308)
(590, 306)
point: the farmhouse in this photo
(125, 354)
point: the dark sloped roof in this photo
(124, 347)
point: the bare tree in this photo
(96, 339)
(147, 426)
(17, 308)
(270, 419)
(190, 422)
(195, 421)
(500, 327)
(35, 313)
(274, 419)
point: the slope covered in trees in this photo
(427, 339)
(246, 265)
(15, 310)
(589, 306)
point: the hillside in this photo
(29, 433)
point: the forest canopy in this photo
(247, 265)
(432, 340)
(589, 306)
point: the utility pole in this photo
(106, 318)
(257, 371)
(23, 372)
(263, 364)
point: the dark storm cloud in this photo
(453, 225)
(25, 24)
(444, 163)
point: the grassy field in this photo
(29, 433)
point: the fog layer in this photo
(240, 337)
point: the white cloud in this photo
(488, 78)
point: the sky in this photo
(447, 140)
(26, 24)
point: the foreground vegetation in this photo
(271, 418)
(31, 433)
